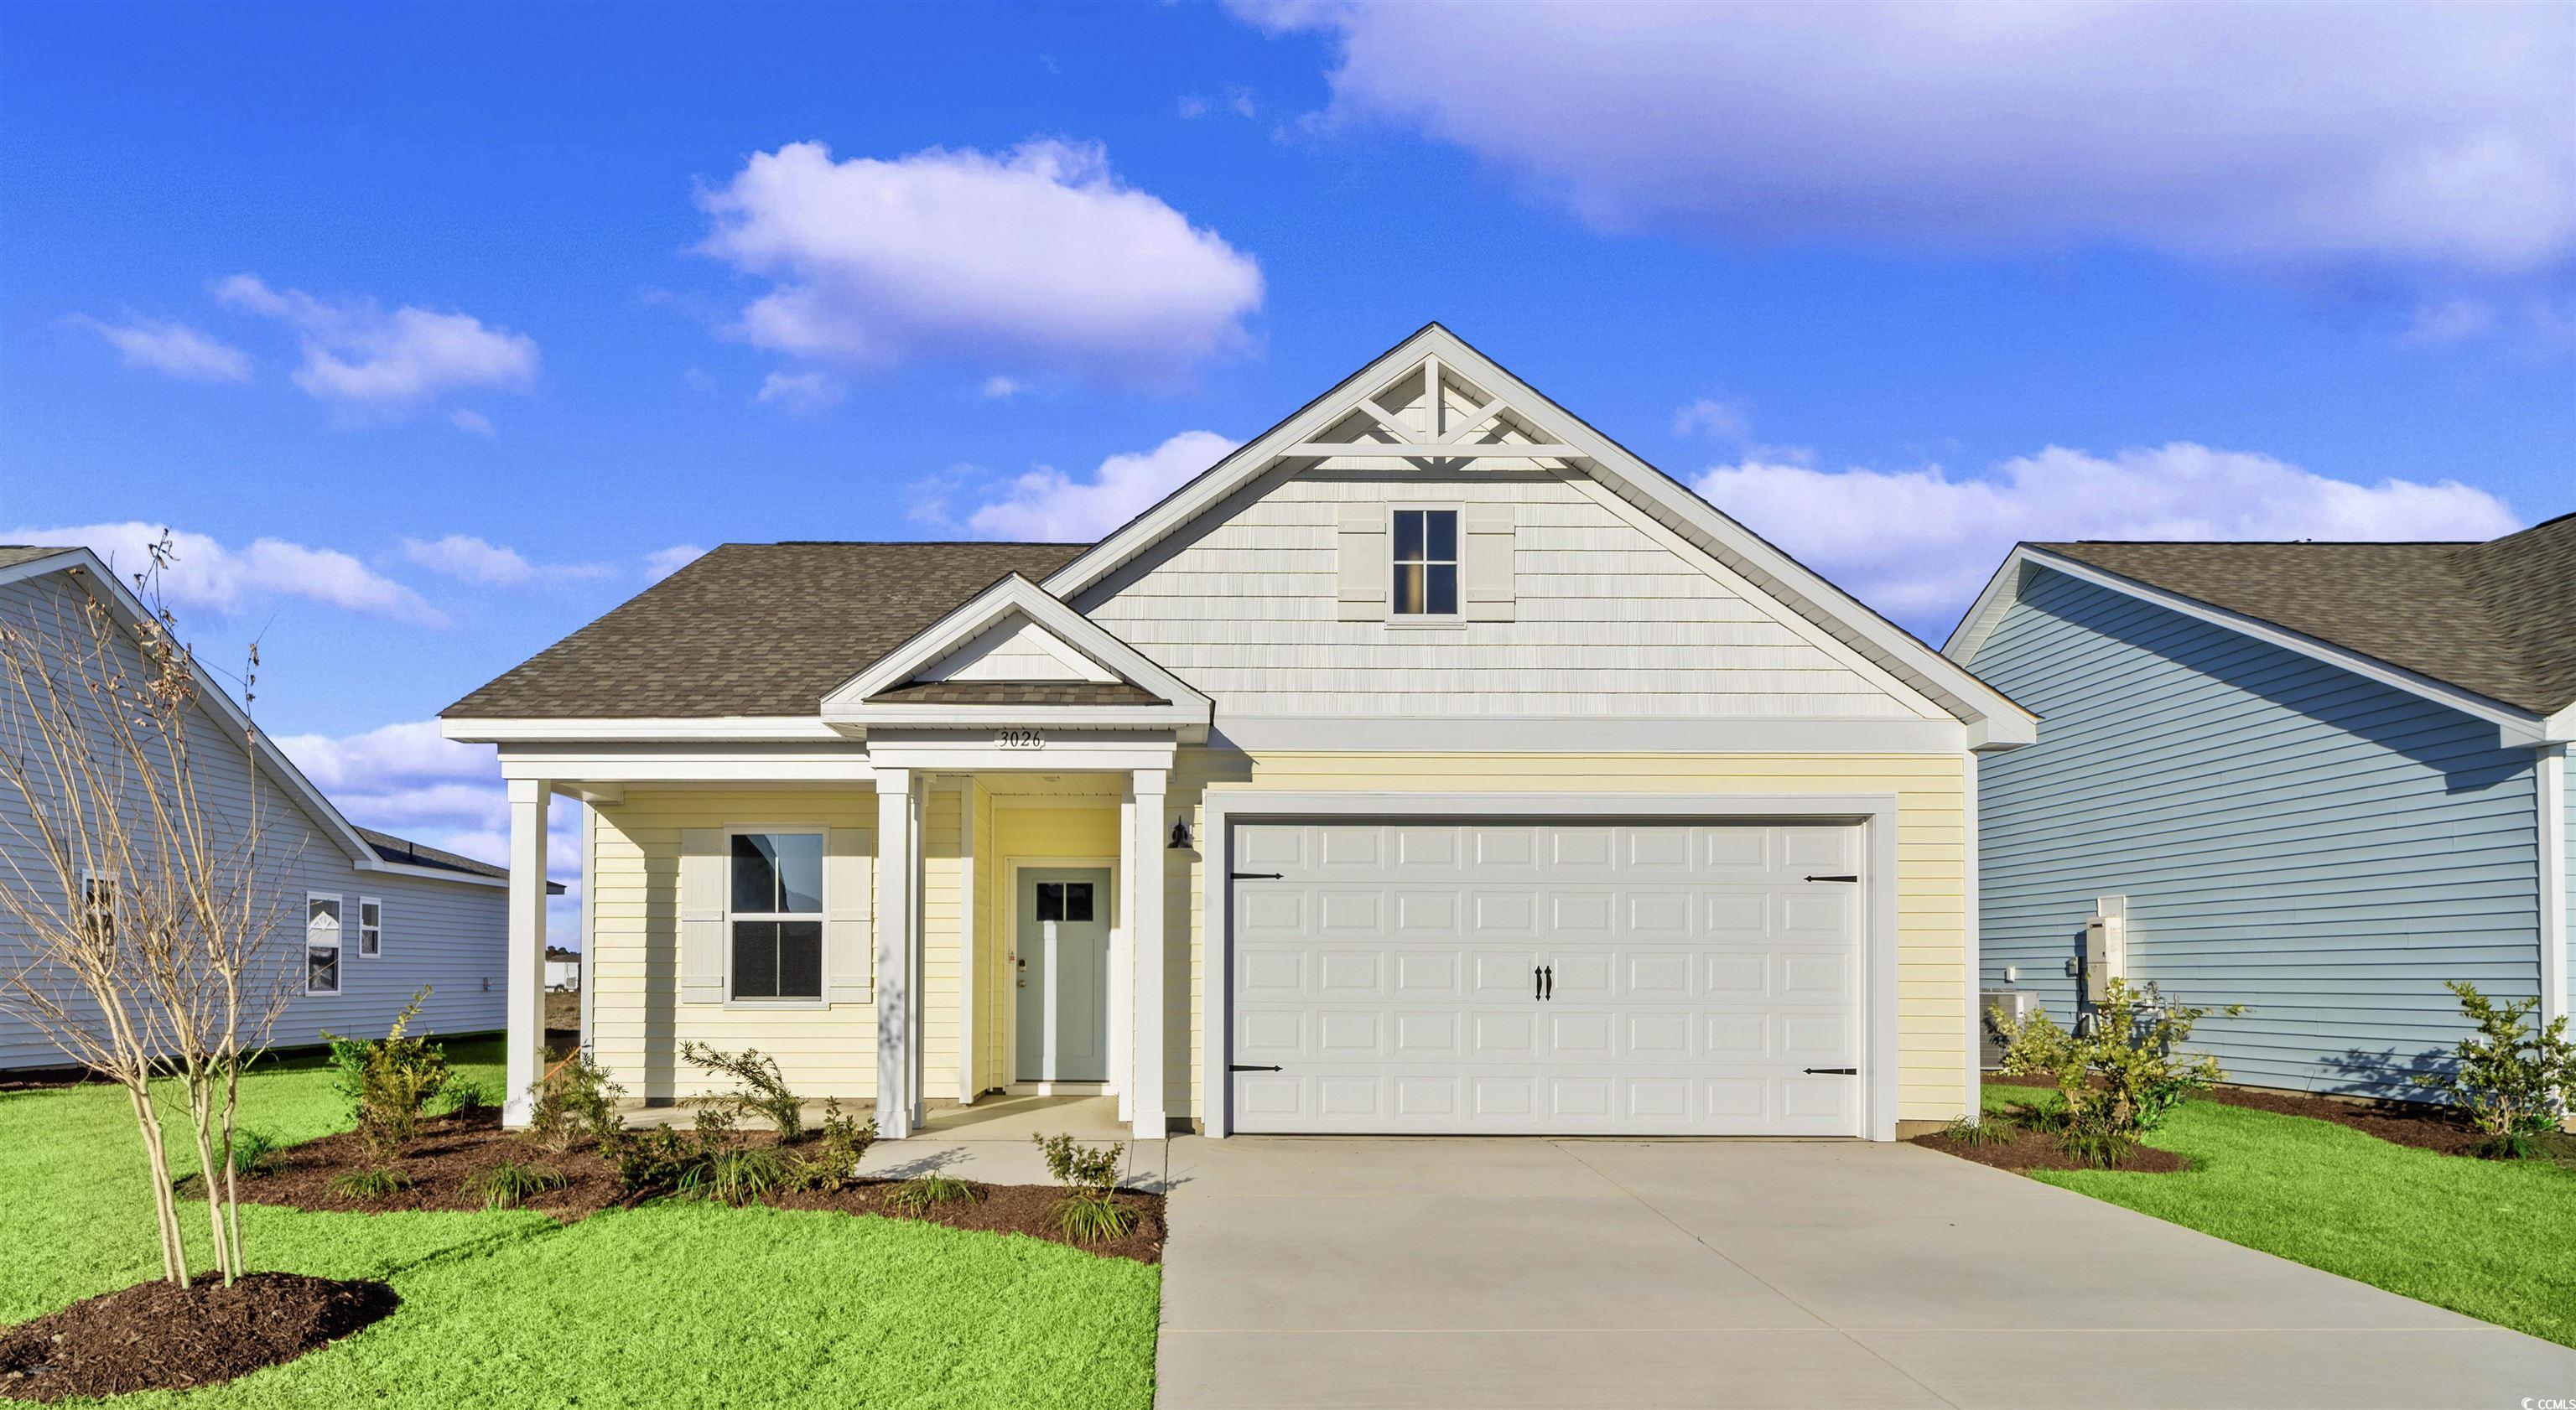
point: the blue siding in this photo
(2290, 836)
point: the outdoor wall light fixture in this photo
(1181, 836)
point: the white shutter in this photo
(1364, 566)
(702, 912)
(1485, 563)
(849, 941)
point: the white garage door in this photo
(1556, 978)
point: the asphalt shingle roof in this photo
(390, 848)
(2496, 618)
(1017, 693)
(754, 629)
(13, 554)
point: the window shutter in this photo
(849, 941)
(1485, 563)
(1364, 565)
(702, 913)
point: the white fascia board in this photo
(1536, 734)
(2515, 728)
(603, 766)
(1987, 612)
(1186, 720)
(1014, 594)
(1770, 569)
(132, 613)
(2559, 728)
(575, 729)
(460, 878)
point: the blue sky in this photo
(434, 331)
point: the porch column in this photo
(898, 856)
(523, 982)
(1145, 911)
(1122, 964)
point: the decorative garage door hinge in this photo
(1250, 1067)
(1833, 878)
(1833, 1072)
(1255, 876)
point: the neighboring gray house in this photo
(2319, 779)
(372, 917)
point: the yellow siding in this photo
(1932, 999)
(637, 1021)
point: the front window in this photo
(1426, 563)
(776, 916)
(321, 944)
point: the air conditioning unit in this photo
(2106, 947)
(2017, 1005)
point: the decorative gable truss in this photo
(1013, 656)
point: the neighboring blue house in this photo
(2318, 779)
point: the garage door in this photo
(1560, 978)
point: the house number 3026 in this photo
(1020, 739)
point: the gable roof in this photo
(753, 629)
(390, 848)
(2496, 619)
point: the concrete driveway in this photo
(1323, 1272)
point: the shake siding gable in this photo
(2290, 836)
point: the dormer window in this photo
(1425, 563)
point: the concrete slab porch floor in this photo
(990, 1141)
(1504, 1273)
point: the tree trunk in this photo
(201, 1115)
(165, 1210)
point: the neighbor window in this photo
(98, 909)
(321, 944)
(776, 916)
(371, 926)
(1426, 563)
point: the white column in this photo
(1145, 846)
(1122, 964)
(523, 982)
(1975, 941)
(2549, 773)
(898, 853)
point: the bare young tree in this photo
(151, 901)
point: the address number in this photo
(1020, 739)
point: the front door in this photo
(1063, 968)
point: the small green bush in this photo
(838, 1148)
(458, 1097)
(2515, 1084)
(1989, 1132)
(2121, 1077)
(393, 1079)
(509, 1184)
(762, 1089)
(251, 1150)
(921, 1192)
(1089, 1211)
(372, 1183)
(738, 1176)
(647, 1162)
(573, 1102)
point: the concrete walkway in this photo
(990, 1141)
(1493, 1273)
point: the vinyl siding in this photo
(1608, 620)
(449, 936)
(2289, 836)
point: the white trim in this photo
(523, 985)
(1150, 1016)
(475, 730)
(821, 915)
(589, 919)
(1456, 563)
(586, 764)
(1057, 1089)
(1515, 734)
(1223, 805)
(378, 902)
(898, 872)
(1777, 574)
(1974, 916)
(339, 945)
(2515, 728)
(973, 751)
(966, 971)
(2549, 774)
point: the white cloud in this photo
(1046, 505)
(470, 559)
(1003, 388)
(465, 419)
(663, 563)
(1039, 253)
(207, 574)
(2435, 133)
(356, 353)
(174, 348)
(800, 393)
(1918, 544)
(1711, 416)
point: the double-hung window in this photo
(1426, 563)
(321, 943)
(371, 927)
(774, 919)
(98, 909)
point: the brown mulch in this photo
(2021, 1150)
(2423, 1125)
(154, 1336)
(454, 1149)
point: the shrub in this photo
(372, 1183)
(738, 1175)
(459, 1096)
(1089, 1211)
(647, 1161)
(2515, 1084)
(393, 1079)
(2121, 1077)
(508, 1184)
(838, 1148)
(574, 1101)
(921, 1192)
(762, 1090)
(1990, 1132)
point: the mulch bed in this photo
(2022, 1150)
(454, 1149)
(2423, 1125)
(154, 1336)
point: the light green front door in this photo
(1063, 969)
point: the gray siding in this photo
(449, 935)
(2290, 836)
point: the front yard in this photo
(665, 1305)
(2487, 1238)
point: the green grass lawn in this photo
(2488, 1238)
(669, 1305)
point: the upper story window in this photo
(775, 915)
(1426, 563)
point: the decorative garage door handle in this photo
(1543, 982)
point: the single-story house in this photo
(563, 969)
(369, 917)
(2318, 779)
(1429, 764)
